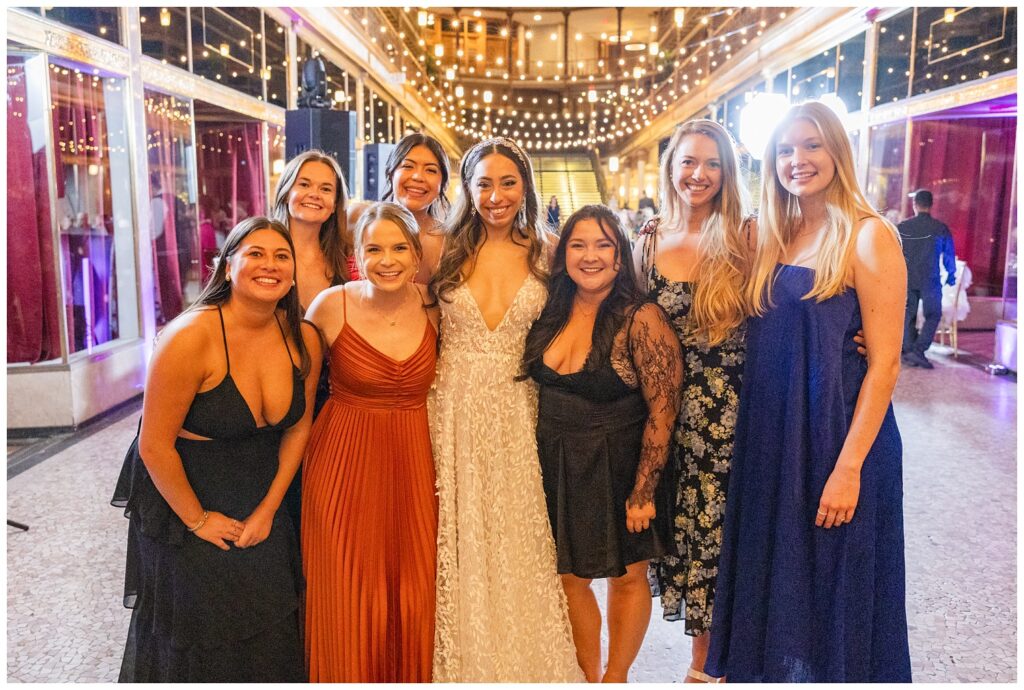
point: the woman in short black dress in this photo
(610, 370)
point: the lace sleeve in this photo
(658, 362)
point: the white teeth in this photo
(267, 281)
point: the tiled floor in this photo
(65, 621)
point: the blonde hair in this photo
(780, 218)
(718, 304)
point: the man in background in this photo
(925, 241)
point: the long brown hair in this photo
(334, 236)
(217, 290)
(718, 304)
(465, 232)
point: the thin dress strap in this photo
(285, 338)
(224, 335)
(648, 253)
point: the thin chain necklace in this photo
(393, 318)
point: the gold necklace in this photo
(393, 318)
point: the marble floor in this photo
(65, 622)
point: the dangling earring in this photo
(521, 216)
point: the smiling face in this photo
(804, 167)
(262, 267)
(591, 258)
(417, 179)
(386, 256)
(497, 191)
(697, 170)
(312, 197)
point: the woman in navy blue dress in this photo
(811, 577)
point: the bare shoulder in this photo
(188, 339)
(872, 235)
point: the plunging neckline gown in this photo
(501, 612)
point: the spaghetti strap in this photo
(285, 338)
(224, 335)
(344, 306)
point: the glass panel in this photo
(892, 69)
(97, 242)
(276, 75)
(176, 251)
(33, 317)
(1010, 277)
(230, 173)
(966, 161)
(165, 34)
(227, 47)
(885, 169)
(277, 155)
(337, 87)
(104, 22)
(814, 77)
(367, 114)
(851, 72)
(976, 43)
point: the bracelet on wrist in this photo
(202, 521)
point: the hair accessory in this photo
(505, 141)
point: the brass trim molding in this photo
(188, 85)
(65, 42)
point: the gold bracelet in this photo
(202, 521)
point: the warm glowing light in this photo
(949, 15)
(421, 18)
(592, 95)
(225, 49)
(449, 74)
(652, 48)
(613, 164)
(438, 50)
(278, 166)
(758, 118)
(460, 91)
(488, 96)
(165, 16)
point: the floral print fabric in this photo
(703, 446)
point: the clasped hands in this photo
(220, 529)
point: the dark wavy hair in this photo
(464, 231)
(438, 208)
(217, 290)
(335, 238)
(624, 297)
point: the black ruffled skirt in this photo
(201, 614)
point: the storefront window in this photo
(97, 243)
(165, 34)
(885, 169)
(851, 72)
(104, 22)
(892, 68)
(33, 325)
(227, 47)
(177, 259)
(959, 45)
(965, 157)
(230, 171)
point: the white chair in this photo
(955, 305)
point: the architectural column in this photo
(357, 184)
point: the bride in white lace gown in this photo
(501, 611)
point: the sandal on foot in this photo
(701, 676)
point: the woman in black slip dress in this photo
(610, 371)
(213, 571)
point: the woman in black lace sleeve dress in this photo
(610, 370)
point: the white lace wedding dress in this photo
(501, 612)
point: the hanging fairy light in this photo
(165, 16)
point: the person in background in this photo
(212, 573)
(417, 174)
(926, 241)
(311, 201)
(554, 213)
(609, 368)
(646, 205)
(369, 509)
(811, 581)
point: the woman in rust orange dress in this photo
(369, 510)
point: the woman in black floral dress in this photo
(693, 256)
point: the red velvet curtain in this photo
(33, 327)
(967, 163)
(231, 169)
